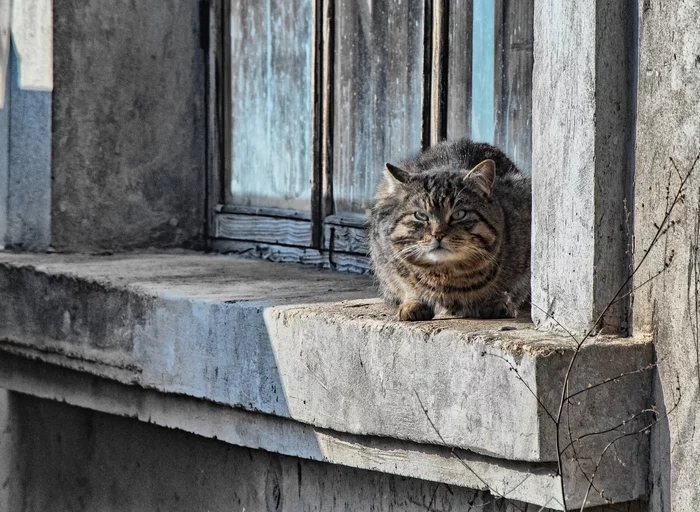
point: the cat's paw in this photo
(414, 310)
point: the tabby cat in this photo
(450, 233)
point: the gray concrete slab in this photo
(315, 347)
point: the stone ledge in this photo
(315, 347)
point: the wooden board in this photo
(271, 103)
(377, 110)
(263, 229)
(459, 68)
(513, 84)
(339, 238)
(285, 254)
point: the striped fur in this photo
(450, 236)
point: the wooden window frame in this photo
(319, 236)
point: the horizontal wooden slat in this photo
(345, 239)
(263, 229)
(338, 261)
(352, 220)
(282, 213)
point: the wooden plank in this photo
(459, 68)
(438, 81)
(284, 254)
(377, 113)
(514, 114)
(282, 213)
(317, 127)
(327, 204)
(263, 229)
(426, 84)
(345, 239)
(216, 103)
(352, 263)
(271, 108)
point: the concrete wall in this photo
(75, 459)
(669, 127)
(128, 136)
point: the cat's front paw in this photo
(414, 310)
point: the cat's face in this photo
(445, 216)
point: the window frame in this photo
(319, 236)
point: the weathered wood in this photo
(439, 64)
(341, 262)
(377, 103)
(459, 68)
(271, 118)
(216, 102)
(270, 252)
(338, 238)
(327, 204)
(513, 80)
(282, 213)
(263, 229)
(318, 93)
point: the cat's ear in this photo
(483, 175)
(395, 176)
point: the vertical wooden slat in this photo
(514, 92)
(438, 80)
(459, 68)
(217, 102)
(499, 34)
(272, 71)
(377, 105)
(328, 101)
(318, 92)
(426, 84)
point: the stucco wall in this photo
(128, 141)
(669, 127)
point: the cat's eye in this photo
(459, 215)
(420, 216)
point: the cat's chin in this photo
(440, 255)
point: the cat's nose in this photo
(438, 235)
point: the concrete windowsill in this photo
(309, 363)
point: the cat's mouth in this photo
(438, 254)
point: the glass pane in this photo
(483, 121)
(271, 99)
(377, 94)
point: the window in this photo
(312, 97)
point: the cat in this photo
(449, 233)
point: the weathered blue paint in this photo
(483, 120)
(378, 81)
(271, 57)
